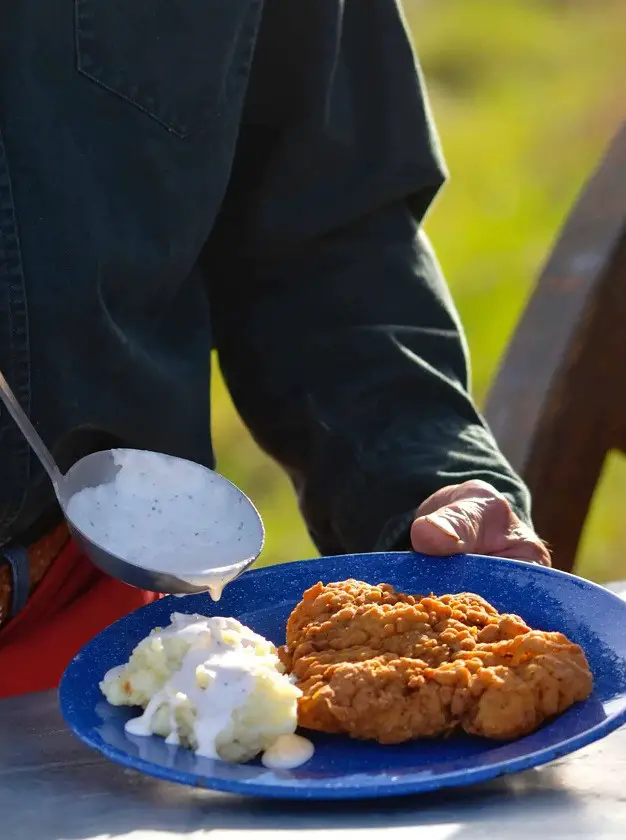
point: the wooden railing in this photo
(558, 403)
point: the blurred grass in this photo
(526, 95)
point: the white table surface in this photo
(54, 788)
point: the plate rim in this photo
(333, 790)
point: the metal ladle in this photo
(239, 534)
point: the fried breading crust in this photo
(377, 664)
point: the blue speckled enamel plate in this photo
(346, 769)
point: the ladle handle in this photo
(28, 430)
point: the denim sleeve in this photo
(336, 333)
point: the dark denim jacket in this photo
(177, 175)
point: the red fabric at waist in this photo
(73, 602)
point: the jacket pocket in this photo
(169, 58)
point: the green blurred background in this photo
(526, 95)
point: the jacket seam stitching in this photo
(17, 361)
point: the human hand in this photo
(474, 518)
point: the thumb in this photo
(452, 529)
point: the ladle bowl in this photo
(237, 538)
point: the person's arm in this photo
(336, 333)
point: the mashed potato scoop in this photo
(214, 686)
